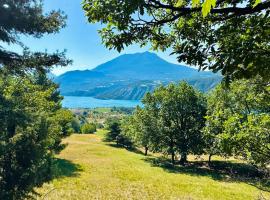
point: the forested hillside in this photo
(130, 76)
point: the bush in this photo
(123, 140)
(88, 128)
(99, 126)
(75, 124)
(113, 125)
(115, 134)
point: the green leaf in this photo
(195, 3)
(206, 7)
(256, 3)
(179, 3)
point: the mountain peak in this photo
(145, 66)
(140, 55)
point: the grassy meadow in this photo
(92, 169)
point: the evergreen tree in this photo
(28, 18)
(30, 135)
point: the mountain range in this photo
(130, 76)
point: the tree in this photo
(65, 119)
(222, 35)
(238, 119)
(113, 126)
(180, 118)
(256, 139)
(171, 121)
(75, 124)
(29, 136)
(88, 128)
(116, 134)
(27, 18)
(140, 127)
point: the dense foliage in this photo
(31, 132)
(115, 133)
(31, 120)
(176, 120)
(233, 38)
(238, 121)
(170, 122)
(88, 128)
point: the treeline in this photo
(178, 120)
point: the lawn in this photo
(92, 169)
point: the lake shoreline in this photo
(81, 102)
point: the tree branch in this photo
(237, 11)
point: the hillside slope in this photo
(91, 169)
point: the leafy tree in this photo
(256, 139)
(171, 121)
(29, 136)
(222, 35)
(181, 111)
(75, 124)
(28, 18)
(113, 126)
(237, 121)
(217, 112)
(64, 118)
(141, 128)
(116, 134)
(88, 128)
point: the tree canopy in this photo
(28, 18)
(31, 133)
(170, 122)
(238, 121)
(32, 123)
(221, 35)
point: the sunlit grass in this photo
(101, 171)
(102, 110)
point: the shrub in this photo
(99, 126)
(115, 134)
(88, 128)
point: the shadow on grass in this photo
(226, 171)
(65, 168)
(131, 149)
(218, 170)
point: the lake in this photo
(90, 102)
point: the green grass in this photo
(102, 110)
(91, 169)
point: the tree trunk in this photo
(11, 129)
(209, 159)
(183, 159)
(173, 157)
(145, 151)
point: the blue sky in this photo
(80, 39)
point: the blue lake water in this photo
(90, 102)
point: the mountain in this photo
(146, 66)
(130, 76)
